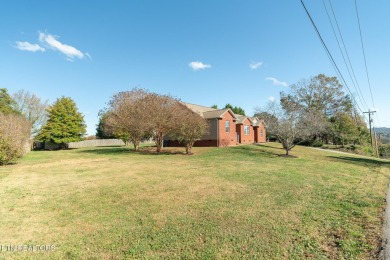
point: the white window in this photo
(227, 126)
(246, 129)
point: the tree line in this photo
(315, 111)
(25, 117)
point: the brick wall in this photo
(262, 134)
(246, 139)
(227, 138)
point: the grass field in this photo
(225, 203)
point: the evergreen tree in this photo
(345, 129)
(103, 130)
(7, 104)
(65, 124)
(235, 109)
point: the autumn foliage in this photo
(137, 114)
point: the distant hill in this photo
(383, 130)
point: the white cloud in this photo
(276, 82)
(197, 65)
(70, 51)
(26, 46)
(255, 65)
(271, 99)
(88, 55)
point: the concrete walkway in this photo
(332, 151)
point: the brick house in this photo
(226, 128)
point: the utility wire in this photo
(364, 55)
(354, 80)
(330, 55)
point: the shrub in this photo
(14, 137)
(384, 150)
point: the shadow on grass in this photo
(107, 150)
(270, 146)
(250, 150)
(361, 161)
(113, 150)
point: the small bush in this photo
(14, 137)
(367, 150)
(384, 150)
(317, 143)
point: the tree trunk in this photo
(189, 146)
(136, 145)
(287, 150)
(159, 142)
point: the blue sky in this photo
(203, 52)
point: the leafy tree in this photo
(323, 96)
(363, 136)
(214, 106)
(289, 123)
(162, 115)
(320, 93)
(103, 130)
(191, 127)
(344, 127)
(266, 116)
(349, 128)
(32, 108)
(127, 116)
(137, 115)
(7, 104)
(65, 124)
(236, 110)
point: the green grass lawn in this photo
(225, 203)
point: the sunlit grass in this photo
(243, 201)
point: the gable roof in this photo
(256, 121)
(218, 113)
(198, 109)
(241, 119)
(208, 112)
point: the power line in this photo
(354, 79)
(364, 53)
(364, 56)
(330, 55)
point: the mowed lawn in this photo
(226, 203)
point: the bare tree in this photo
(289, 123)
(32, 108)
(162, 115)
(14, 137)
(190, 127)
(127, 116)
